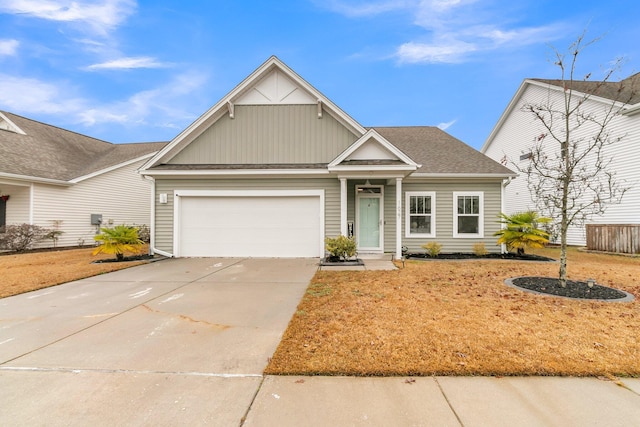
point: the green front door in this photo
(369, 222)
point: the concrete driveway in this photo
(176, 342)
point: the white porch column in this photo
(343, 206)
(398, 218)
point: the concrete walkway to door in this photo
(176, 342)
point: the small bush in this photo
(479, 249)
(340, 247)
(21, 237)
(433, 249)
(144, 233)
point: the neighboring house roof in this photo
(627, 90)
(439, 153)
(39, 150)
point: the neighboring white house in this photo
(62, 180)
(512, 139)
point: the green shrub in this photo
(340, 247)
(433, 249)
(118, 240)
(479, 249)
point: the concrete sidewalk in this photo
(445, 401)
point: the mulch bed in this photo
(337, 261)
(453, 256)
(127, 258)
(574, 289)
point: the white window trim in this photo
(407, 214)
(480, 196)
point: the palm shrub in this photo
(118, 240)
(522, 230)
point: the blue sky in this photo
(134, 71)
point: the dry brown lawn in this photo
(459, 318)
(26, 272)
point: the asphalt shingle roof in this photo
(50, 152)
(438, 152)
(627, 90)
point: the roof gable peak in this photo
(372, 147)
(8, 125)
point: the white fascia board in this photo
(234, 172)
(35, 179)
(220, 108)
(248, 193)
(506, 113)
(373, 168)
(371, 133)
(111, 168)
(630, 111)
(463, 176)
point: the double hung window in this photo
(420, 214)
(468, 218)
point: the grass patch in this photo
(458, 318)
(36, 270)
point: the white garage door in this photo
(254, 226)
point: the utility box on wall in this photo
(96, 219)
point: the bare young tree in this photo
(569, 172)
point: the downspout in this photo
(31, 202)
(152, 221)
(505, 182)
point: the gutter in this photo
(32, 179)
(503, 247)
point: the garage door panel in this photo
(250, 226)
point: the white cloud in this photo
(454, 30)
(157, 107)
(35, 96)
(365, 8)
(100, 16)
(8, 47)
(451, 52)
(167, 106)
(127, 64)
(447, 125)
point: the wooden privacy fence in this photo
(622, 238)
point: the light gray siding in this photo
(444, 215)
(164, 212)
(269, 134)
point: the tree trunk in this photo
(564, 221)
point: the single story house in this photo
(516, 133)
(72, 183)
(275, 167)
